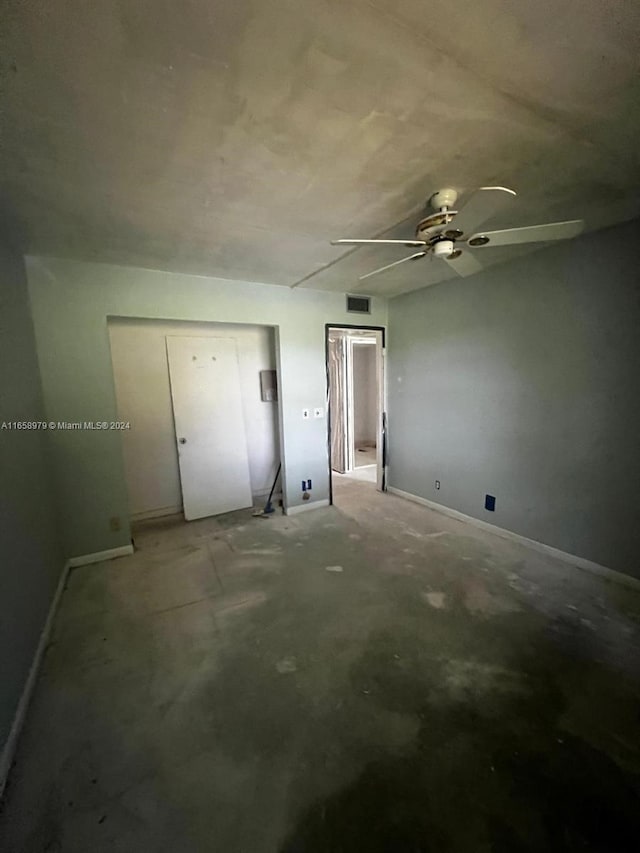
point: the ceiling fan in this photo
(450, 234)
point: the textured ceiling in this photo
(237, 138)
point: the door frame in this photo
(219, 328)
(381, 437)
(352, 345)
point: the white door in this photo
(209, 422)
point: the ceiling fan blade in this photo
(465, 264)
(482, 205)
(530, 234)
(394, 264)
(375, 242)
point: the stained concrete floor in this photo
(371, 677)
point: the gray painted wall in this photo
(31, 558)
(523, 382)
(71, 301)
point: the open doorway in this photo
(355, 404)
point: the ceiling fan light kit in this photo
(453, 244)
(443, 248)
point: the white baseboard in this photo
(156, 513)
(294, 510)
(9, 748)
(579, 562)
(100, 556)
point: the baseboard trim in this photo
(100, 556)
(294, 510)
(156, 513)
(579, 562)
(10, 746)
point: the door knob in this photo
(182, 440)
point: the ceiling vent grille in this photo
(359, 304)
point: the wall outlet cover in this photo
(318, 412)
(490, 503)
(305, 414)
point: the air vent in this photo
(359, 304)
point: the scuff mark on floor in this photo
(435, 599)
(478, 599)
(263, 552)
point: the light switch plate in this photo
(318, 412)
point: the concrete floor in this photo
(371, 678)
(364, 456)
(367, 474)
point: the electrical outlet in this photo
(318, 412)
(114, 523)
(305, 414)
(437, 484)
